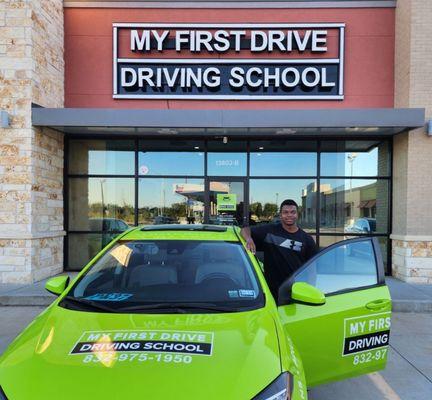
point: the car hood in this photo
(80, 355)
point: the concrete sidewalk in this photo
(406, 297)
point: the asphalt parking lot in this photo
(408, 375)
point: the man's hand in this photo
(250, 245)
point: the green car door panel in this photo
(185, 313)
(321, 334)
(349, 334)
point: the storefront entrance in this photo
(342, 186)
(225, 201)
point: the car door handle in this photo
(378, 304)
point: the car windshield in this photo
(167, 275)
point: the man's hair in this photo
(288, 202)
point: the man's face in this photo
(288, 215)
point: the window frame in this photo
(284, 295)
(207, 139)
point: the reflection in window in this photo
(355, 206)
(83, 247)
(355, 158)
(283, 158)
(347, 266)
(226, 164)
(176, 157)
(267, 194)
(97, 204)
(326, 241)
(171, 201)
(101, 157)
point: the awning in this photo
(314, 122)
(367, 204)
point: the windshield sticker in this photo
(233, 293)
(368, 335)
(140, 346)
(247, 293)
(109, 296)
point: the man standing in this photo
(286, 247)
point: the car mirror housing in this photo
(57, 285)
(305, 293)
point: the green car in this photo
(184, 312)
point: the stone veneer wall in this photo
(412, 161)
(31, 159)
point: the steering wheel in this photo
(219, 276)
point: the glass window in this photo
(267, 194)
(355, 158)
(347, 266)
(226, 164)
(170, 201)
(173, 271)
(82, 247)
(383, 243)
(97, 204)
(283, 158)
(101, 157)
(171, 157)
(354, 206)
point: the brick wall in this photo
(412, 166)
(31, 159)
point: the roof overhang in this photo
(341, 122)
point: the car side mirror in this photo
(57, 285)
(304, 293)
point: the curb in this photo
(407, 306)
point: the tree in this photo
(270, 210)
(256, 208)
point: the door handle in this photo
(378, 304)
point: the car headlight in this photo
(280, 389)
(2, 395)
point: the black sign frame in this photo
(337, 94)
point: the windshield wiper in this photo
(88, 303)
(178, 307)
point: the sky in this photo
(234, 164)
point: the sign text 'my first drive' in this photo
(228, 61)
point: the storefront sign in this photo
(230, 61)
(226, 202)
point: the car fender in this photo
(291, 361)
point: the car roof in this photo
(183, 232)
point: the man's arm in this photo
(247, 235)
(311, 247)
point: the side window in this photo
(347, 266)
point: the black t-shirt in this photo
(284, 252)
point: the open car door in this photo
(348, 333)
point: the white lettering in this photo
(211, 77)
(160, 38)
(140, 43)
(145, 74)
(319, 41)
(128, 77)
(181, 37)
(255, 35)
(249, 74)
(223, 43)
(302, 42)
(310, 71)
(236, 79)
